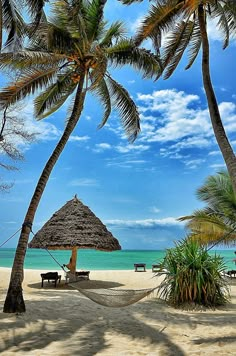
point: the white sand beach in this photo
(60, 321)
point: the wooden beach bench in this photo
(231, 273)
(140, 267)
(51, 276)
(156, 268)
(70, 277)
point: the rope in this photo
(10, 237)
(26, 223)
(55, 260)
(29, 224)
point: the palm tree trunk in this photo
(14, 300)
(218, 128)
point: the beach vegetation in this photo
(184, 26)
(193, 277)
(68, 57)
(216, 222)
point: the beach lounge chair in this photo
(231, 273)
(51, 276)
(156, 268)
(140, 267)
(77, 276)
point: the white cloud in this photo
(214, 153)
(101, 147)
(228, 114)
(177, 117)
(74, 138)
(84, 182)
(218, 166)
(133, 147)
(169, 116)
(10, 222)
(169, 221)
(126, 161)
(154, 209)
(194, 163)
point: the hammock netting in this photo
(114, 297)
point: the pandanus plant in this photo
(193, 277)
(68, 57)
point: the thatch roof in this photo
(74, 225)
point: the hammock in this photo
(115, 297)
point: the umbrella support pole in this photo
(73, 260)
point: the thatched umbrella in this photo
(74, 226)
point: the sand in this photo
(61, 321)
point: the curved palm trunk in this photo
(14, 300)
(221, 137)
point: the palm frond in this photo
(36, 9)
(28, 83)
(122, 101)
(125, 52)
(115, 32)
(229, 8)
(26, 59)
(94, 16)
(99, 69)
(217, 191)
(176, 43)
(161, 17)
(59, 40)
(208, 227)
(194, 46)
(217, 221)
(54, 96)
(223, 24)
(13, 22)
(101, 90)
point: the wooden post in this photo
(73, 260)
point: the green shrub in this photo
(193, 276)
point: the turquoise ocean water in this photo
(97, 260)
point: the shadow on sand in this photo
(90, 284)
(82, 327)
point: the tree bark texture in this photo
(14, 300)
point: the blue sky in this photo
(138, 190)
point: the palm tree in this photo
(184, 22)
(215, 223)
(70, 55)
